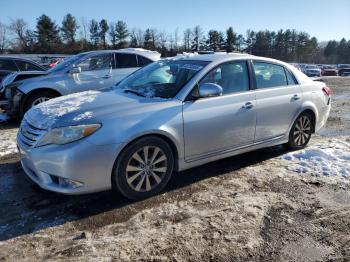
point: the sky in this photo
(325, 19)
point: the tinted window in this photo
(98, 62)
(126, 60)
(290, 78)
(232, 77)
(6, 64)
(143, 61)
(27, 66)
(269, 75)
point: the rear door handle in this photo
(248, 105)
(296, 97)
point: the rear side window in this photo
(27, 66)
(6, 64)
(126, 60)
(143, 61)
(269, 75)
(290, 78)
(232, 77)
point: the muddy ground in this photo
(253, 207)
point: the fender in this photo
(307, 105)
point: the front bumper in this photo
(80, 161)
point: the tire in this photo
(300, 133)
(37, 98)
(137, 179)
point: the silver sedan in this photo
(169, 116)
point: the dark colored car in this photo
(15, 64)
(344, 72)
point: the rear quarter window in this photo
(6, 64)
(143, 61)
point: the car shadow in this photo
(26, 208)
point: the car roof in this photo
(216, 57)
(153, 55)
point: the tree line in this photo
(74, 36)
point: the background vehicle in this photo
(344, 72)
(312, 70)
(85, 71)
(171, 115)
(328, 70)
(15, 64)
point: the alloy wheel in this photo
(302, 131)
(40, 100)
(146, 168)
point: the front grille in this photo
(29, 134)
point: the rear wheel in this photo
(37, 98)
(301, 131)
(144, 168)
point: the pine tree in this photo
(94, 33)
(230, 40)
(69, 28)
(47, 34)
(103, 31)
(121, 33)
(149, 40)
(113, 35)
(198, 39)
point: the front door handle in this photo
(296, 97)
(107, 76)
(248, 105)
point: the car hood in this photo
(89, 107)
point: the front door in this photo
(96, 73)
(214, 125)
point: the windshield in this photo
(162, 79)
(66, 63)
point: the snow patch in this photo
(7, 143)
(321, 159)
(83, 116)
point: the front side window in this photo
(269, 75)
(27, 66)
(162, 79)
(232, 77)
(126, 60)
(6, 64)
(97, 62)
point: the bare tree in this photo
(18, 27)
(176, 39)
(139, 37)
(3, 37)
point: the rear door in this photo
(125, 64)
(278, 99)
(213, 125)
(96, 73)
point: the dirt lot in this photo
(266, 205)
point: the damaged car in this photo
(84, 71)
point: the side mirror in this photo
(75, 70)
(209, 90)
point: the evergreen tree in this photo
(121, 33)
(149, 39)
(94, 33)
(214, 40)
(47, 34)
(103, 31)
(231, 40)
(113, 35)
(69, 28)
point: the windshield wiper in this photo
(134, 92)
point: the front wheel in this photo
(37, 98)
(301, 131)
(144, 168)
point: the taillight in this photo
(327, 90)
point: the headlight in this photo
(65, 135)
